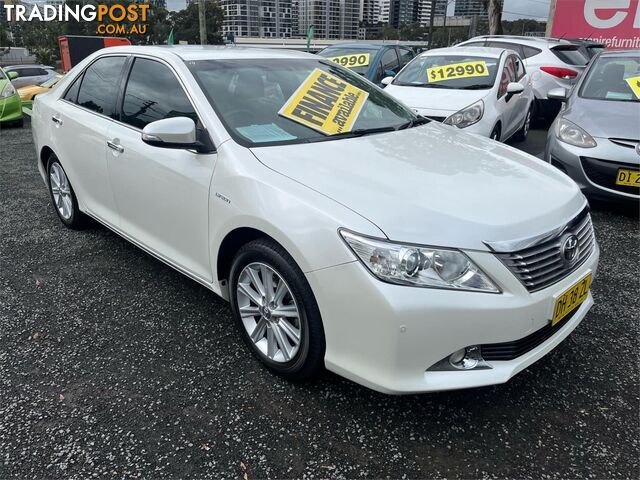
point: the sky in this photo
(513, 9)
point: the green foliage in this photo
(41, 38)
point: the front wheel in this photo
(495, 133)
(522, 134)
(275, 310)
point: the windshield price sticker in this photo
(457, 70)
(354, 60)
(634, 83)
(325, 103)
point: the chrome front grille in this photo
(543, 264)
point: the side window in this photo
(474, 44)
(510, 46)
(508, 75)
(520, 71)
(390, 60)
(405, 56)
(31, 72)
(154, 93)
(530, 51)
(72, 92)
(100, 84)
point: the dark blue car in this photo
(371, 60)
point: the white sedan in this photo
(345, 231)
(486, 91)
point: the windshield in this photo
(284, 101)
(461, 72)
(613, 78)
(50, 83)
(357, 59)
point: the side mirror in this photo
(386, 80)
(179, 133)
(514, 88)
(12, 75)
(558, 94)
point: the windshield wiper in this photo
(414, 123)
(476, 87)
(360, 132)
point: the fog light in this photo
(466, 358)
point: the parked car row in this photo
(346, 230)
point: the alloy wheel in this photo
(527, 124)
(269, 312)
(61, 191)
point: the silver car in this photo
(30, 74)
(596, 137)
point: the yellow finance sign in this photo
(457, 70)
(325, 103)
(634, 83)
(353, 60)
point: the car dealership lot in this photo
(113, 364)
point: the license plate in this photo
(570, 299)
(629, 178)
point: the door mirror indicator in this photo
(178, 133)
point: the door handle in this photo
(56, 119)
(115, 146)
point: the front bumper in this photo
(386, 336)
(10, 109)
(594, 169)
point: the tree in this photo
(186, 25)
(494, 10)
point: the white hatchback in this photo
(345, 230)
(486, 91)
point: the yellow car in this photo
(27, 94)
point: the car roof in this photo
(523, 40)
(365, 45)
(620, 53)
(491, 52)
(34, 65)
(209, 52)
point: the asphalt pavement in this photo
(113, 365)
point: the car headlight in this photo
(7, 91)
(572, 134)
(467, 116)
(418, 266)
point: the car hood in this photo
(605, 118)
(434, 185)
(30, 90)
(435, 99)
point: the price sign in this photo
(457, 70)
(354, 60)
(634, 83)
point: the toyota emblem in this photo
(569, 249)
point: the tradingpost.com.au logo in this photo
(111, 18)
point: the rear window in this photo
(570, 54)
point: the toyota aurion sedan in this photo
(346, 231)
(596, 138)
(486, 91)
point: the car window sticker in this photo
(325, 103)
(457, 70)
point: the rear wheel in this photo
(62, 195)
(275, 310)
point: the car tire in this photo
(522, 134)
(271, 337)
(495, 133)
(63, 197)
